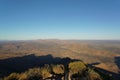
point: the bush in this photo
(46, 72)
(58, 69)
(12, 76)
(93, 75)
(32, 74)
(23, 76)
(36, 74)
(77, 67)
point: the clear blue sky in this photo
(59, 19)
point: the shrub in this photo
(76, 67)
(12, 76)
(32, 74)
(93, 75)
(23, 76)
(36, 74)
(58, 69)
(46, 72)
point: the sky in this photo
(60, 19)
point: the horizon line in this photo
(60, 39)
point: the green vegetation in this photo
(93, 75)
(76, 71)
(31, 74)
(77, 67)
(12, 76)
(46, 72)
(58, 69)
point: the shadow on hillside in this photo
(103, 71)
(117, 61)
(21, 64)
(93, 64)
(114, 75)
